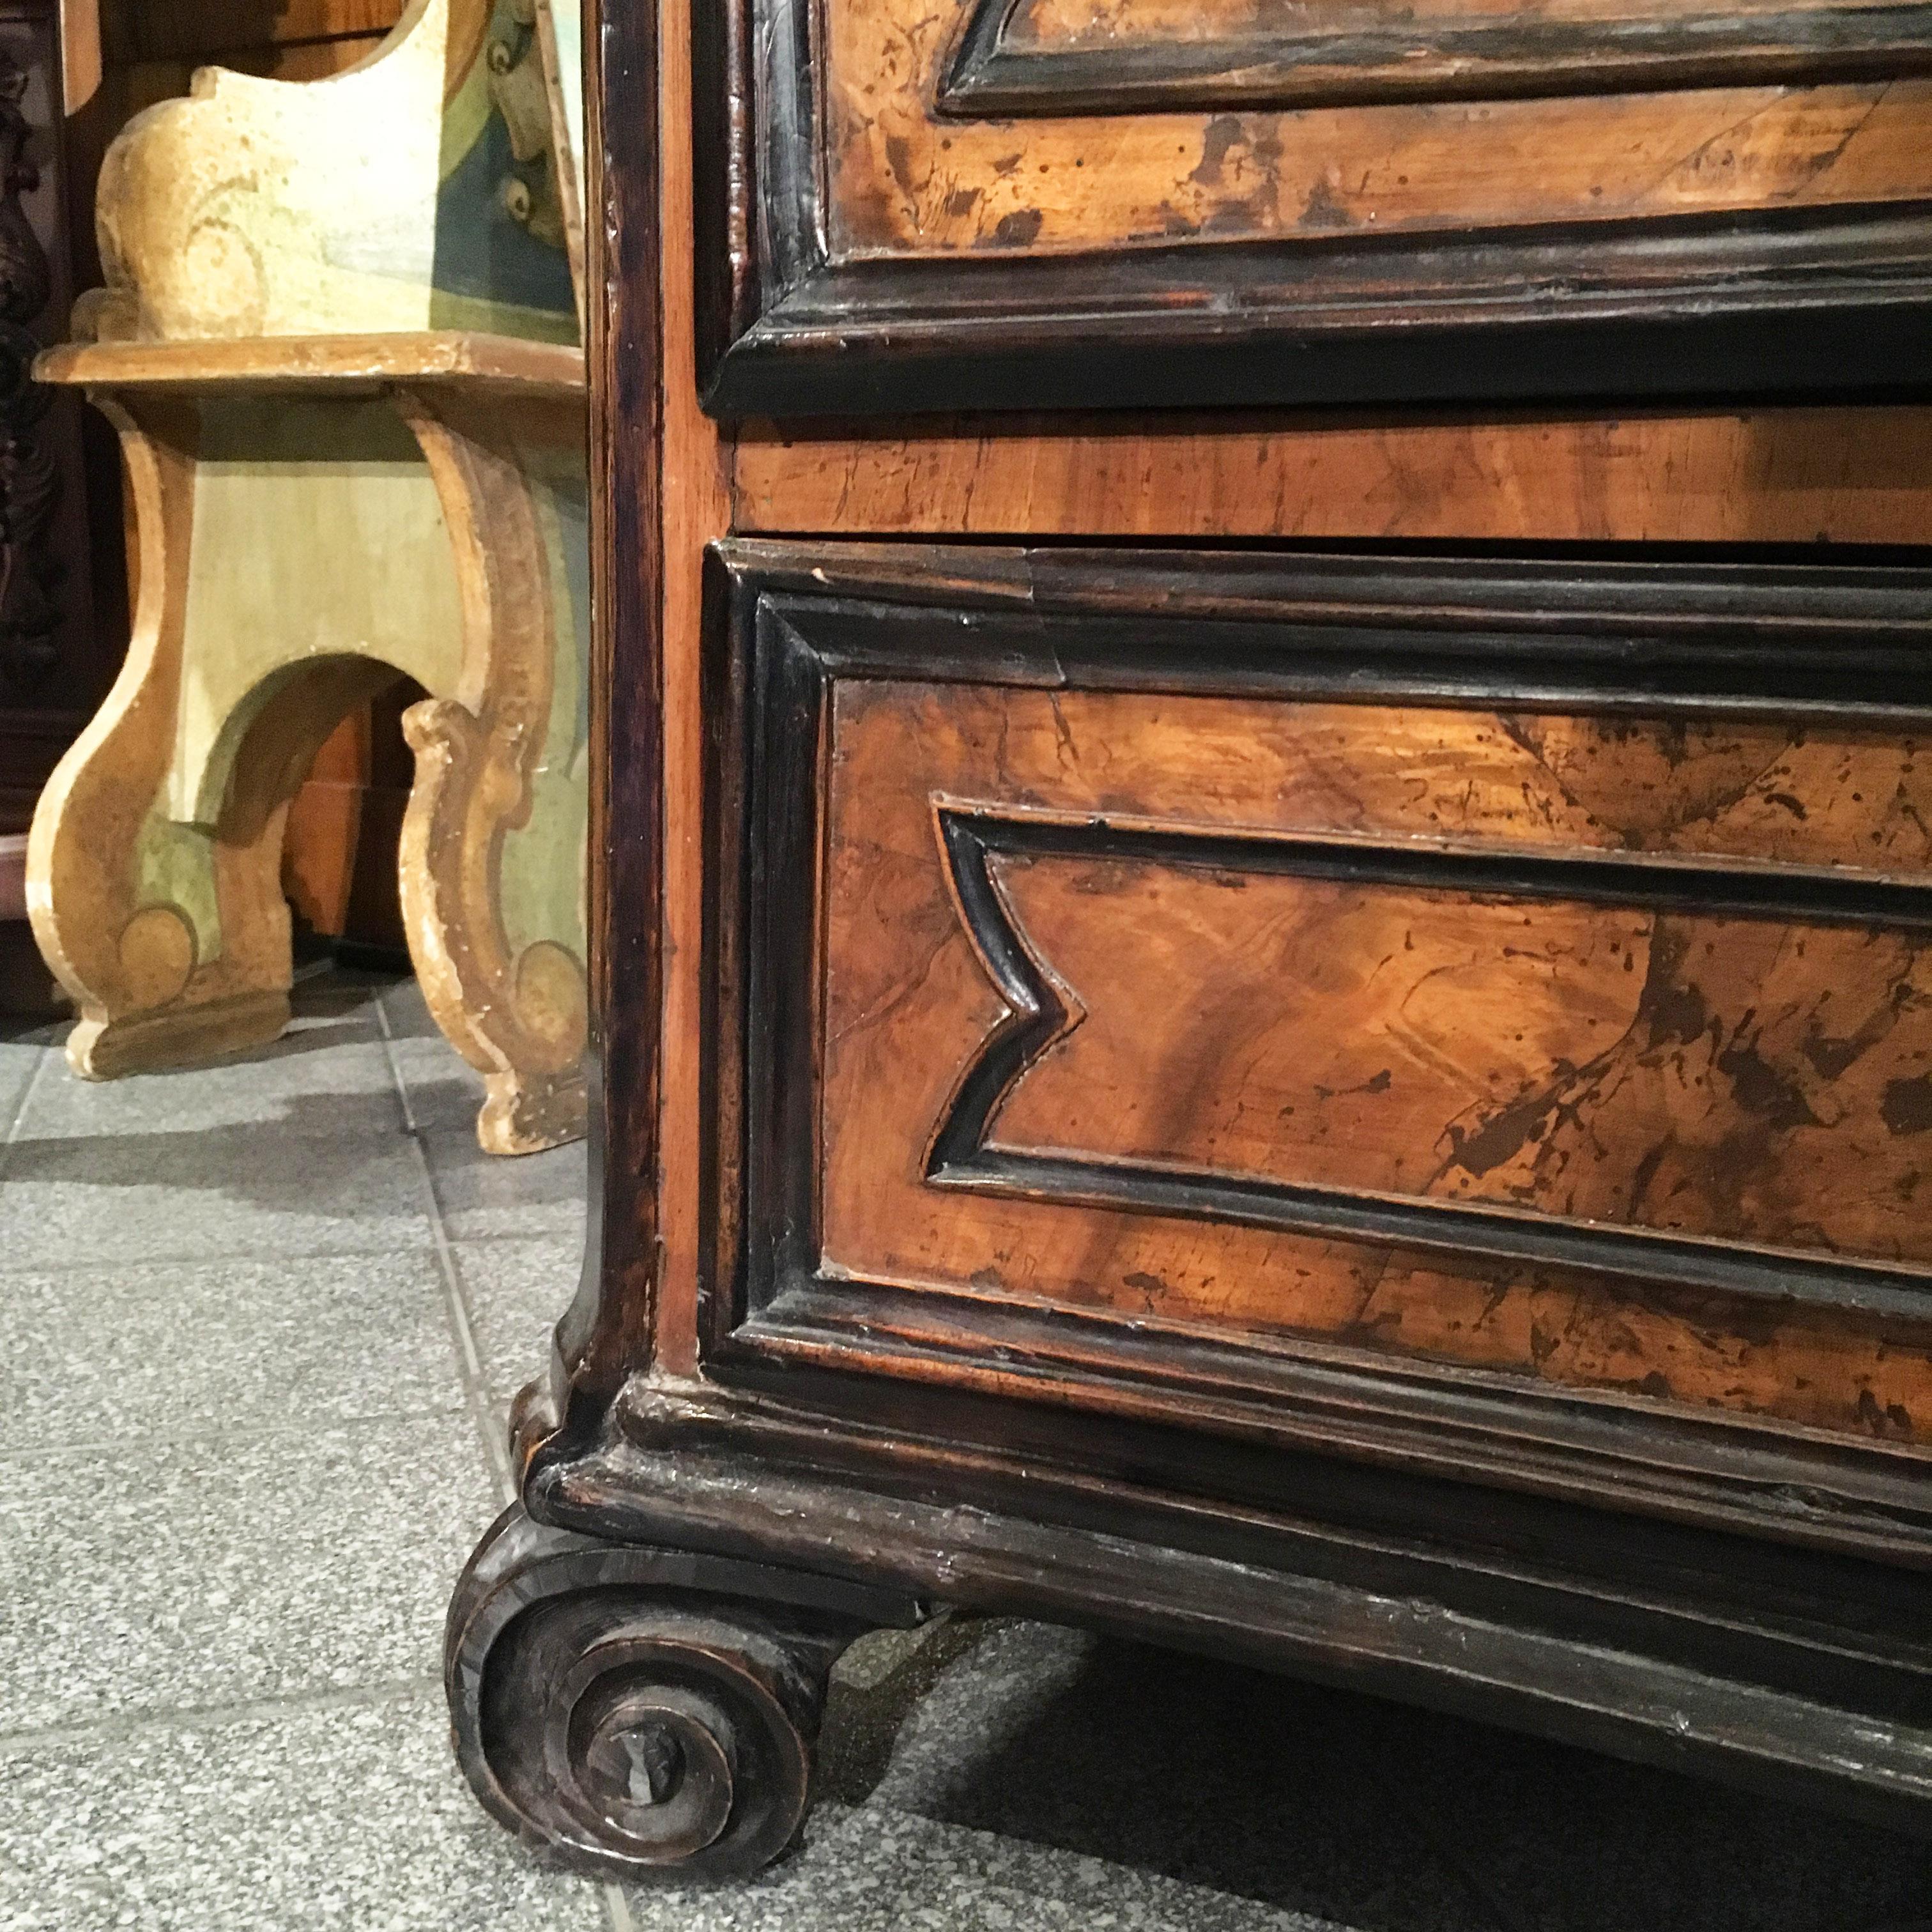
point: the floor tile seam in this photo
(127, 1723)
(457, 1314)
(307, 1429)
(572, 1238)
(33, 1080)
(410, 1126)
(93, 1265)
(238, 1078)
(469, 1354)
(494, 1240)
(279, 1258)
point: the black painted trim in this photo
(1258, 1396)
(1691, 1656)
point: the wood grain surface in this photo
(1051, 56)
(899, 840)
(1764, 1080)
(148, 49)
(1771, 476)
(340, 364)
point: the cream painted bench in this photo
(340, 341)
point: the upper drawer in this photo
(988, 203)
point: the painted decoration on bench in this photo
(419, 189)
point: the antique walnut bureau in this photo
(1265, 879)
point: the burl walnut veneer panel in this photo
(1260, 978)
(920, 164)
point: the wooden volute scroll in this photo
(348, 385)
(1161, 204)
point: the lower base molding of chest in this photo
(722, 1540)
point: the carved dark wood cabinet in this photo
(58, 556)
(1265, 878)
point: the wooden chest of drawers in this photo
(1306, 1034)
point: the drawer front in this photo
(1523, 979)
(995, 203)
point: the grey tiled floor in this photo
(258, 1326)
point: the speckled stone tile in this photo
(1643, 1850)
(162, 1576)
(485, 1198)
(515, 1291)
(268, 1189)
(1233, 1781)
(105, 1353)
(445, 1090)
(351, 1817)
(324, 1078)
(882, 1871)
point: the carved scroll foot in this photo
(644, 1713)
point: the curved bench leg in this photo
(123, 907)
(515, 1003)
(166, 923)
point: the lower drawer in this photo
(1507, 980)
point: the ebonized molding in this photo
(1354, 55)
(1818, 301)
(1763, 641)
(1646, 1664)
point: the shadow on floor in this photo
(1351, 1810)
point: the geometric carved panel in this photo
(1542, 1100)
